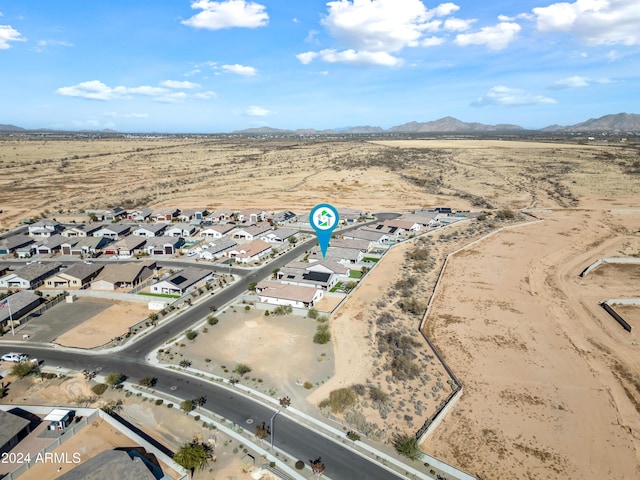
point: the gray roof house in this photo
(11, 244)
(340, 254)
(379, 238)
(113, 230)
(14, 429)
(85, 245)
(20, 303)
(296, 275)
(164, 245)
(114, 464)
(30, 276)
(182, 282)
(50, 245)
(217, 248)
(81, 230)
(77, 276)
(181, 230)
(280, 235)
(123, 275)
(150, 230)
(253, 232)
(44, 228)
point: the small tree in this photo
(148, 381)
(185, 363)
(323, 335)
(313, 313)
(284, 402)
(408, 446)
(262, 431)
(190, 334)
(112, 407)
(200, 401)
(317, 466)
(23, 369)
(252, 286)
(353, 436)
(115, 378)
(187, 405)
(211, 320)
(241, 369)
(193, 455)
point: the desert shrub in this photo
(247, 308)
(404, 368)
(405, 285)
(187, 405)
(211, 320)
(283, 310)
(169, 405)
(185, 363)
(23, 369)
(359, 389)
(412, 305)
(323, 335)
(190, 334)
(313, 313)
(394, 341)
(242, 369)
(408, 446)
(505, 214)
(308, 385)
(378, 396)
(341, 399)
(299, 465)
(384, 318)
(115, 378)
(100, 388)
(148, 381)
(159, 401)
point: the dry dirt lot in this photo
(551, 383)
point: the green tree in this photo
(193, 455)
(292, 240)
(187, 405)
(252, 286)
(23, 369)
(313, 313)
(408, 446)
(190, 334)
(241, 369)
(112, 407)
(148, 381)
(323, 335)
(115, 378)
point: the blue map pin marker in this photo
(324, 219)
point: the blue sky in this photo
(219, 66)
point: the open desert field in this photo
(551, 382)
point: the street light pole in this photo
(271, 429)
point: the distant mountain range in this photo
(615, 123)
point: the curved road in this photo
(297, 440)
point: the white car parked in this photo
(15, 357)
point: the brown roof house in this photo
(126, 275)
(251, 252)
(77, 276)
(276, 293)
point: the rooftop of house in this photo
(123, 272)
(82, 270)
(112, 464)
(350, 243)
(257, 229)
(253, 248)
(15, 241)
(36, 270)
(11, 426)
(187, 276)
(284, 291)
(153, 227)
(370, 235)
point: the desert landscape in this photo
(551, 384)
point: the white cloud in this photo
(597, 22)
(255, 111)
(126, 115)
(457, 24)
(205, 95)
(227, 14)
(9, 34)
(372, 32)
(511, 97)
(97, 90)
(350, 56)
(612, 55)
(497, 37)
(177, 84)
(239, 70)
(575, 81)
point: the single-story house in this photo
(82, 231)
(50, 245)
(26, 251)
(164, 245)
(150, 230)
(182, 282)
(280, 235)
(113, 231)
(340, 254)
(217, 231)
(192, 215)
(20, 304)
(377, 238)
(29, 276)
(77, 276)
(113, 214)
(251, 251)
(252, 232)
(44, 228)
(277, 293)
(141, 215)
(165, 214)
(349, 215)
(117, 464)
(85, 245)
(126, 246)
(12, 244)
(358, 244)
(251, 215)
(181, 230)
(423, 218)
(14, 429)
(299, 275)
(222, 215)
(330, 265)
(396, 228)
(217, 248)
(286, 216)
(123, 275)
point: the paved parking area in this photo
(57, 320)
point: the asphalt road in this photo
(298, 440)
